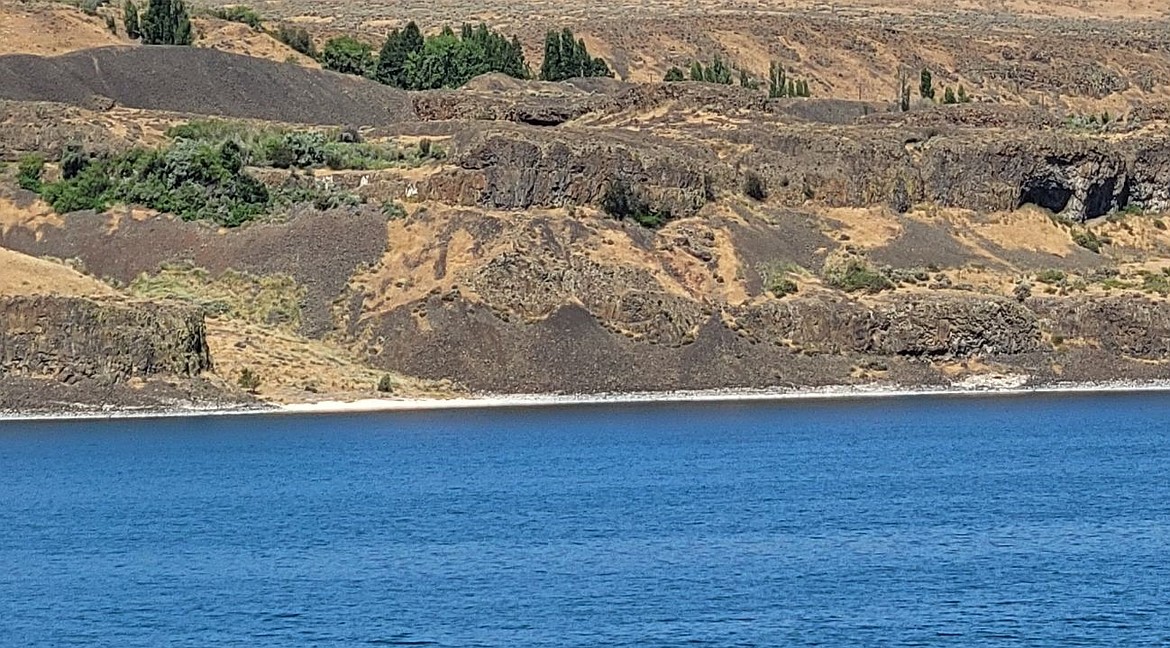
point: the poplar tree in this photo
(166, 22)
(130, 19)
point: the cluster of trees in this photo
(303, 149)
(165, 22)
(241, 14)
(566, 57)
(190, 179)
(406, 60)
(779, 85)
(410, 61)
(926, 90)
(717, 72)
(202, 174)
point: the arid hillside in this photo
(345, 239)
(1080, 56)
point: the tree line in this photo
(407, 59)
(719, 71)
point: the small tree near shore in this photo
(249, 380)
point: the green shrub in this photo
(347, 55)
(29, 171)
(249, 380)
(393, 210)
(1051, 276)
(89, 189)
(73, 161)
(854, 274)
(298, 39)
(777, 278)
(1087, 239)
(240, 14)
(673, 75)
(1158, 283)
(268, 146)
(300, 149)
(386, 384)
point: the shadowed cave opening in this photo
(1046, 193)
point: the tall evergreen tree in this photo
(412, 38)
(551, 66)
(130, 19)
(926, 85)
(166, 22)
(697, 71)
(566, 57)
(777, 84)
(391, 68)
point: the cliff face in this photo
(830, 151)
(73, 338)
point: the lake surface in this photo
(926, 521)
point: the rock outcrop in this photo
(110, 341)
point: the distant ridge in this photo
(201, 81)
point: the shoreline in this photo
(506, 401)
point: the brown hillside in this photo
(238, 38)
(48, 28)
(26, 275)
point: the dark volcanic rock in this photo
(907, 325)
(1128, 325)
(73, 338)
(201, 81)
(521, 169)
(320, 250)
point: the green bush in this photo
(1158, 283)
(1087, 239)
(298, 39)
(347, 55)
(386, 384)
(300, 149)
(1051, 276)
(249, 380)
(673, 75)
(777, 278)
(854, 274)
(393, 210)
(240, 14)
(29, 171)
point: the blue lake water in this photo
(927, 521)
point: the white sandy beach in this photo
(979, 388)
